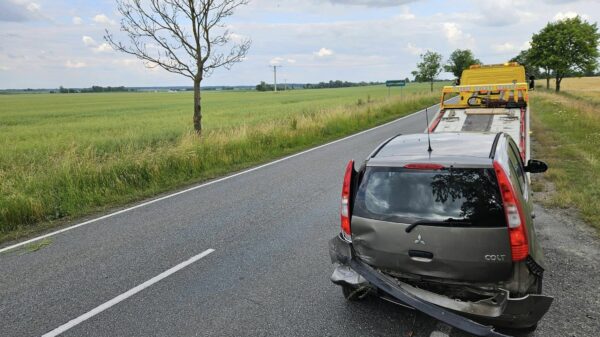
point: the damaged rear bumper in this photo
(499, 309)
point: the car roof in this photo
(451, 148)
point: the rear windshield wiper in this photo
(450, 222)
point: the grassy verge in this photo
(566, 129)
(87, 179)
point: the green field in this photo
(566, 128)
(66, 155)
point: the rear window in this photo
(452, 194)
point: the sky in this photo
(49, 43)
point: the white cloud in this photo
(77, 20)
(276, 61)
(569, 15)
(103, 47)
(405, 14)
(237, 38)
(411, 48)
(279, 60)
(504, 47)
(88, 41)
(456, 36)
(33, 7)
(324, 52)
(75, 64)
(103, 19)
(4, 68)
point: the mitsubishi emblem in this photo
(419, 240)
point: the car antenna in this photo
(428, 138)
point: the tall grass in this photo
(86, 160)
(567, 130)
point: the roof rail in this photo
(376, 151)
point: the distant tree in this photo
(523, 59)
(181, 36)
(263, 86)
(417, 76)
(429, 67)
(566, 46)
(407, 80)
(460, 60)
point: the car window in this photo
(516, 165)
(406, 195)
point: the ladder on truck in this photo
(486, 108)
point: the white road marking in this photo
(125, 295)
(201, 185)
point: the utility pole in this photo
(275, 76)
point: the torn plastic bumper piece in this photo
(385, 284)
(341, 253)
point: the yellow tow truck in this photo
(490, 98)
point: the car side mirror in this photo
(536, 166)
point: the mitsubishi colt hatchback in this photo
(445, 231)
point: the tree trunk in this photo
(558, 80)
(547, 78)
(197, 108)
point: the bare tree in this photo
(186, 37)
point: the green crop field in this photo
(566, 128)
(66, 155)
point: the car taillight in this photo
(424, 166)
(345, 206)
(514, 215)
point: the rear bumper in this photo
(499, 309)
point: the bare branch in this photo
(181, 36)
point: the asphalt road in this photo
(268, 274)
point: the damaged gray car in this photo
(447, 230)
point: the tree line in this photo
(93, 89)
(562, 49)
(263, 86)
